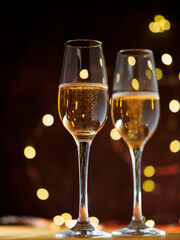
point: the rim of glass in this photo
(83, 43)
(136, 52)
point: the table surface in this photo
(28, 232)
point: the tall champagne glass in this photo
(135, 114)
(83, 108)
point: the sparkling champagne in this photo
(83, 108)
(135, 116)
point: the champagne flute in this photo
(135, 114)
(83, 108)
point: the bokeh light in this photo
(131, 61)
(159, 25)
(42, 194)
(48, 120)
(166, 58)
(114, 134)
(149, 171)
(84, 74)
(150, 223)
(174, 106)
(135, 84)
(29, 152)
(94, 221)
(154, 27)
(159, 73)
(70, 223)
(174, 146)
(148, 186)
(66, 216)
(58, 220)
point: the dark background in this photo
(32, 39)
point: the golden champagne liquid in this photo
(135, 116)
(83, 108)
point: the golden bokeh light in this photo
(84, 74)
(179, 76)
(66, 216)
(159, 73)
(158, 18)
(174, 146)
(166, 58)
(135, 84)
(154, 27)
(29, 152)
(167, 25)
(148, 185)
(48, 120)
(150, 223)
(114, 134)
(94, 221)
(148, 74)
(70, 223)
(42, 194)
(149, 171)
(149, 63)
(174, 106)
(159, 25)
(131, 61)
(58, 220)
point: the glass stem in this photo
(83, 160)
(136, 154)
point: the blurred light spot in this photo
(167, 25)
(149, 171)
(58, 220)
(135, 84)
(174, 105)
(179, 76)
(100, 62)
(149, 63)
(148, 185)
(114, 134)
(150, 223)
(48, 120)
(29, 152)
(166, 58)
(42, 194)
(131, 61)
(159, 73)
(163, 23)
(66, 216)
(94, 221)
(158, 18)
(154, 27)
(70, 223)
(174, 146)
(148, 74)
(84, 74)
(117, 77)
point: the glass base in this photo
(83, 230)
(138, 229)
